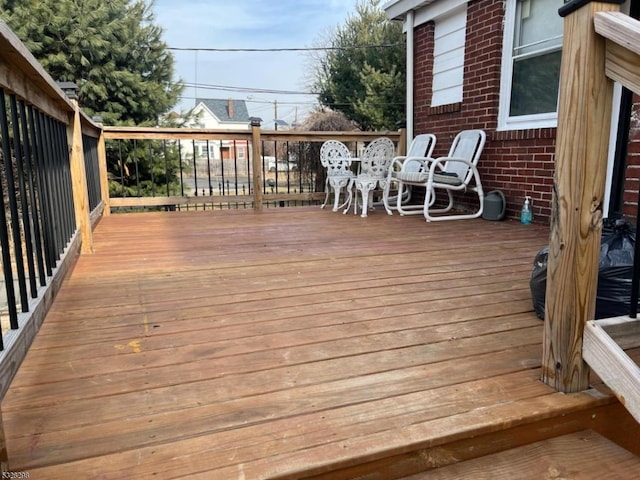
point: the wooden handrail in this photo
(619, 28)
(21, 73)
(623, 47)
(604, 340)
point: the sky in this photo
(249, 24)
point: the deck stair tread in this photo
(575, 456)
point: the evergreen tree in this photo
(112, 50)
(366, 84)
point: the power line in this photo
(229, 88)
(295, 49)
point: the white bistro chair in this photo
(374, 165)
(336, 159)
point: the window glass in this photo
(537, 47)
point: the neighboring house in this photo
(223, 155)
(282, 125)
(495, 66)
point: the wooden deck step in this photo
(575, 456)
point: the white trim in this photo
(409, 83)
(438, 10)
(424, 10)
(613, 134)
(398, 9)
(505, 121)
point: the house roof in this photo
(226, 109)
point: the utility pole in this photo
(275, 114)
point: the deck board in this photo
(278, 344)
(578, 456)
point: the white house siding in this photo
(448, 57)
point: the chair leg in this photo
(366, 188)
(404, 209)
(476, 214)
(385, 197)
(336, 198)
(347, 203)
(327, 189)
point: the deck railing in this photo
(49, 196)
(600, 45)
(203, 168)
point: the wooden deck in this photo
(286, 344)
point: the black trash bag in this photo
(538, 282)
(615, 270)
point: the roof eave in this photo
(398, 9)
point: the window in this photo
(532, 51)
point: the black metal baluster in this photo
(635, 279)
(61, 159)
(181, 172)
(5, 245)
(13, 205)
(166, 166)
(135, 163)
(29, 137)
(24, 204)
(195, 169)
(222, 173)
(121, 161)
(151, 170)
(209, 170)
(67, 184)
(56, 196)
(42, 188)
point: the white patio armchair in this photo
(374, 165)
(336, 159)
(421, 146)
(457, 172)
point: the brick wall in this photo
(632, 183)
(518, 162)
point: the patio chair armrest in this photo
(439, 163)
(437, 167)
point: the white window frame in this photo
(521, 122)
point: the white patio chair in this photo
(374, 165)
(336, 159)
(421, 146)
(453, 173)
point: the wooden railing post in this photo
(256, 164)
(402, 142)
(584, 118)
(79, 182)
(102, 168)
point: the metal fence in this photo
(36, 205)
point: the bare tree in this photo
(308, 153)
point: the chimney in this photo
(231, 108)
